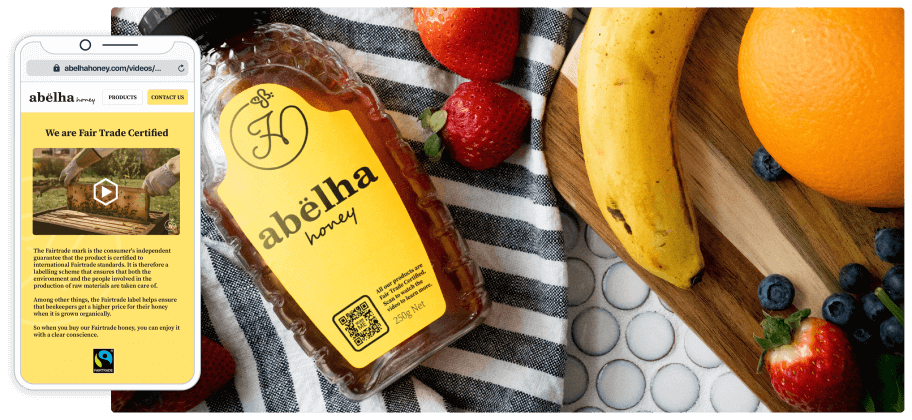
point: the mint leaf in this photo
(889, 375)
(868, 403)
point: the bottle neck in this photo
(209, 27)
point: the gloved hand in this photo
(160, 181)
(82, 159)
(70, 172)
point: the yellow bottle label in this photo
(310, 194)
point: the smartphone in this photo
(107, 213)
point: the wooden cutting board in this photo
(749, 228)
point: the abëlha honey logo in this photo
(265, 134)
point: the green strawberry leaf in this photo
(433, 147)
(437, 120)
(424, 117)
(760, 363)
(778, 332)
(432, 120)
(794, 320)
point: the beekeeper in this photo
(157, 182)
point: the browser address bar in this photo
(107, 68)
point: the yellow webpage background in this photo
(139, 357)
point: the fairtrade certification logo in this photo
(102, 360)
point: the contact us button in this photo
(122, 97)
(167, 97)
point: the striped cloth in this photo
(507, 214)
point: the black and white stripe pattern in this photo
(508, 216)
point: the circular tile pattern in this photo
(595, 331)
(590, 409)
(571, 230)
(597, 245)
(592, 384)
(699, 353)
(620, 384)
(582, 281)
(730, 395)
(675, 388)
(665, 305)
(650, 336)
(576, 380)
(623, 288)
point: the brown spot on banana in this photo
(656, 263)
(617, 215)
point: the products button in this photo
(122, 97)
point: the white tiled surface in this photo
(626, 350)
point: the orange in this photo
(823, 91)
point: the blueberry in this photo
(775, 292)
(865, 338)
(766, 167)
(874, 309)
(861, 334)
(854, 278)
(839, 308)
(891, 333)
(888, 244)
(893, 284)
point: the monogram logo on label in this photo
(266, 135)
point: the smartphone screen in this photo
(107, 203)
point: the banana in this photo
(629, 68)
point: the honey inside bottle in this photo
(333, 214)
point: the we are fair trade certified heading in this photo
(107, 251)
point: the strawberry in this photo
(475, 43)
(482, 124)
(810, 362)
(217, 367)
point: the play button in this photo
(103, 189)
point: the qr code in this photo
(361, 323)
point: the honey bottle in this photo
(337, 221)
